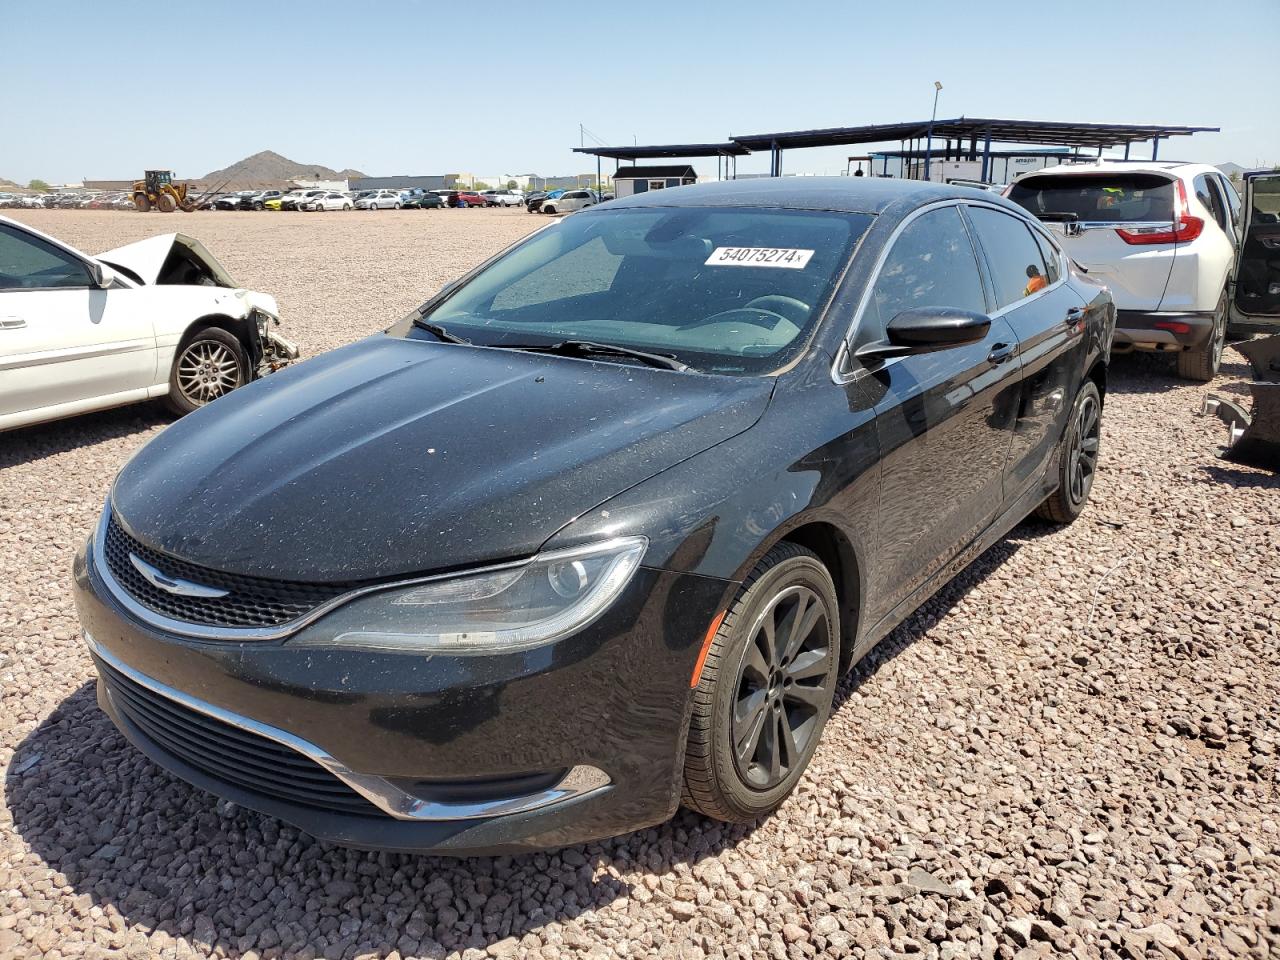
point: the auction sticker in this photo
(783, 257)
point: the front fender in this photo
(813, 457)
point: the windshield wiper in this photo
(439, 331)
(589, 348)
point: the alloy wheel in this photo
(781, 687)
(206, 371)
(1219, 332)
(1083, 453)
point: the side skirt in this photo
(1012, 516)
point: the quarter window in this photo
(1052, 259)
(1208, 196)
(932, 264)
(29, 263)
(1017, 267)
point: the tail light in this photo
(1185, 227)
(1173, 326)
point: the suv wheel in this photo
(1202, 364)
(766, 689)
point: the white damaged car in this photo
(159, 318)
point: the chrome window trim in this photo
(579, 781)
(206, 632)
(842, 377)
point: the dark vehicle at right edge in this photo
(595, 530)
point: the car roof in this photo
(1127, 166)
(871, 195)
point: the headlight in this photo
(503, 610)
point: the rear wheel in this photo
(1078, 459)
(1202, 364)
(141, 203)
(766, 689)
(208, 366)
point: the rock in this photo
(926, 882)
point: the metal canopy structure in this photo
(973, 129)
(721, 151)
(979, 132)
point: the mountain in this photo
(270, 167)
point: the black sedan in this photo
(596, 530)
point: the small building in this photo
(632, 180)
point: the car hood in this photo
(393, 457)
(147, 258)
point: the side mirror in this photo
(926, 329)
(104, 278)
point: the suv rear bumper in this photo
(1143, 330)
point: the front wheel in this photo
(1078, 458)
(766, 689)
(208, 366)
(1202, 363)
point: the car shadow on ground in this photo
(174, 861)
(41, 440)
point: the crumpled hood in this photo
(147, 258)
(392, 457)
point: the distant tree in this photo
(480, 185)
(39, 185)
(512, 185)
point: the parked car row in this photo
(90, 200)
(380, 199)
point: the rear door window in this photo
(1097, 198)
(1017, 266)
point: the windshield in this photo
(724, 290)
(1107, 198)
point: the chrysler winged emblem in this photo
(183, 588)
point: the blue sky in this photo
(409, 86)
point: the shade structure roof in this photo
(673, 150)
(1057, 133)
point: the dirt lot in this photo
(1073, 748)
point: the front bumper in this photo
(592, 727)
(1138, 330)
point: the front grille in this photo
(228, 753)
(250, 602)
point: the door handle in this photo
(12, 323)
(1000, 353)
(1075, 315)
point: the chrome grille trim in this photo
(579, 781)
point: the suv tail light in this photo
(1185, 227)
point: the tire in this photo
(550, 211)
(165, 203)
(346, 206)
(259, 206)
(141, 203)
(207, 353)
(1202, 364)
(395, 206)
(1077, 458)
(742, 695)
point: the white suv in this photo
(1162, 236)
(503, 198)
(570, 201)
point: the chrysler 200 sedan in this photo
(596, 530)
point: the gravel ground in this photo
(1073, 748)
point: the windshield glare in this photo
(724, 290)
